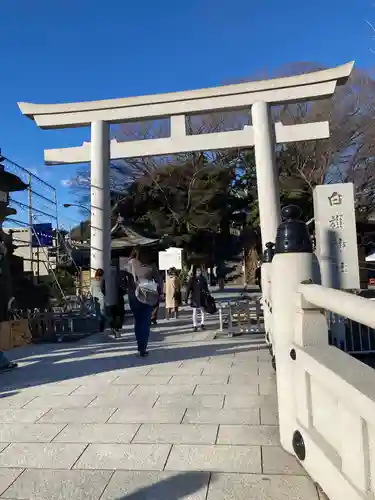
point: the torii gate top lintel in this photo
(292, 88)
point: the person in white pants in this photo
(195, 318)
(196, 289)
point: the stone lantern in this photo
(9, 183)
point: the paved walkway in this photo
(196, 420)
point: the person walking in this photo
(196, 289)
(220, 273)
(154, 315)
(172, 293)
(97, 290)
(258, 275)
(118, 309)
(141, 273)
(155, 312)
(205, 272)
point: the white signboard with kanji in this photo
(336, 236)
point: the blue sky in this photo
(75, 50)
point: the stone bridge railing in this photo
(326, 398)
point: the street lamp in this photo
(83, 207)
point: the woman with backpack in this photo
(144, 284)
(197, 289)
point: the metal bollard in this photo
(221, 318)
(258, 313)
(230, 320)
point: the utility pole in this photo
(31, 232)
(57, 232)
(81, 229)
(38, 264)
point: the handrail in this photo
(342, 303)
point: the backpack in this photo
(146, 291)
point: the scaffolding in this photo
(37, 205)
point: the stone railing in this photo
(266, 291)
(350, 336)
(334, 397)
(326, 398)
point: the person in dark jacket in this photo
(196, 289)
(258, 275)
(155, 312)
(220, 273)
(97, 290)
(118, 310)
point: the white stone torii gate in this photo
(263, 134)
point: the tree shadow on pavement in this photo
(170, 342)
(46, 364)
(175, 487)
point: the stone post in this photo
(291, 265)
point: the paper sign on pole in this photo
(336, 235)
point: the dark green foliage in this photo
(206, 206)
(191, 203)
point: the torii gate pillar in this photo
(267, 175)
(100, 253)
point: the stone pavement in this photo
(196, 420)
